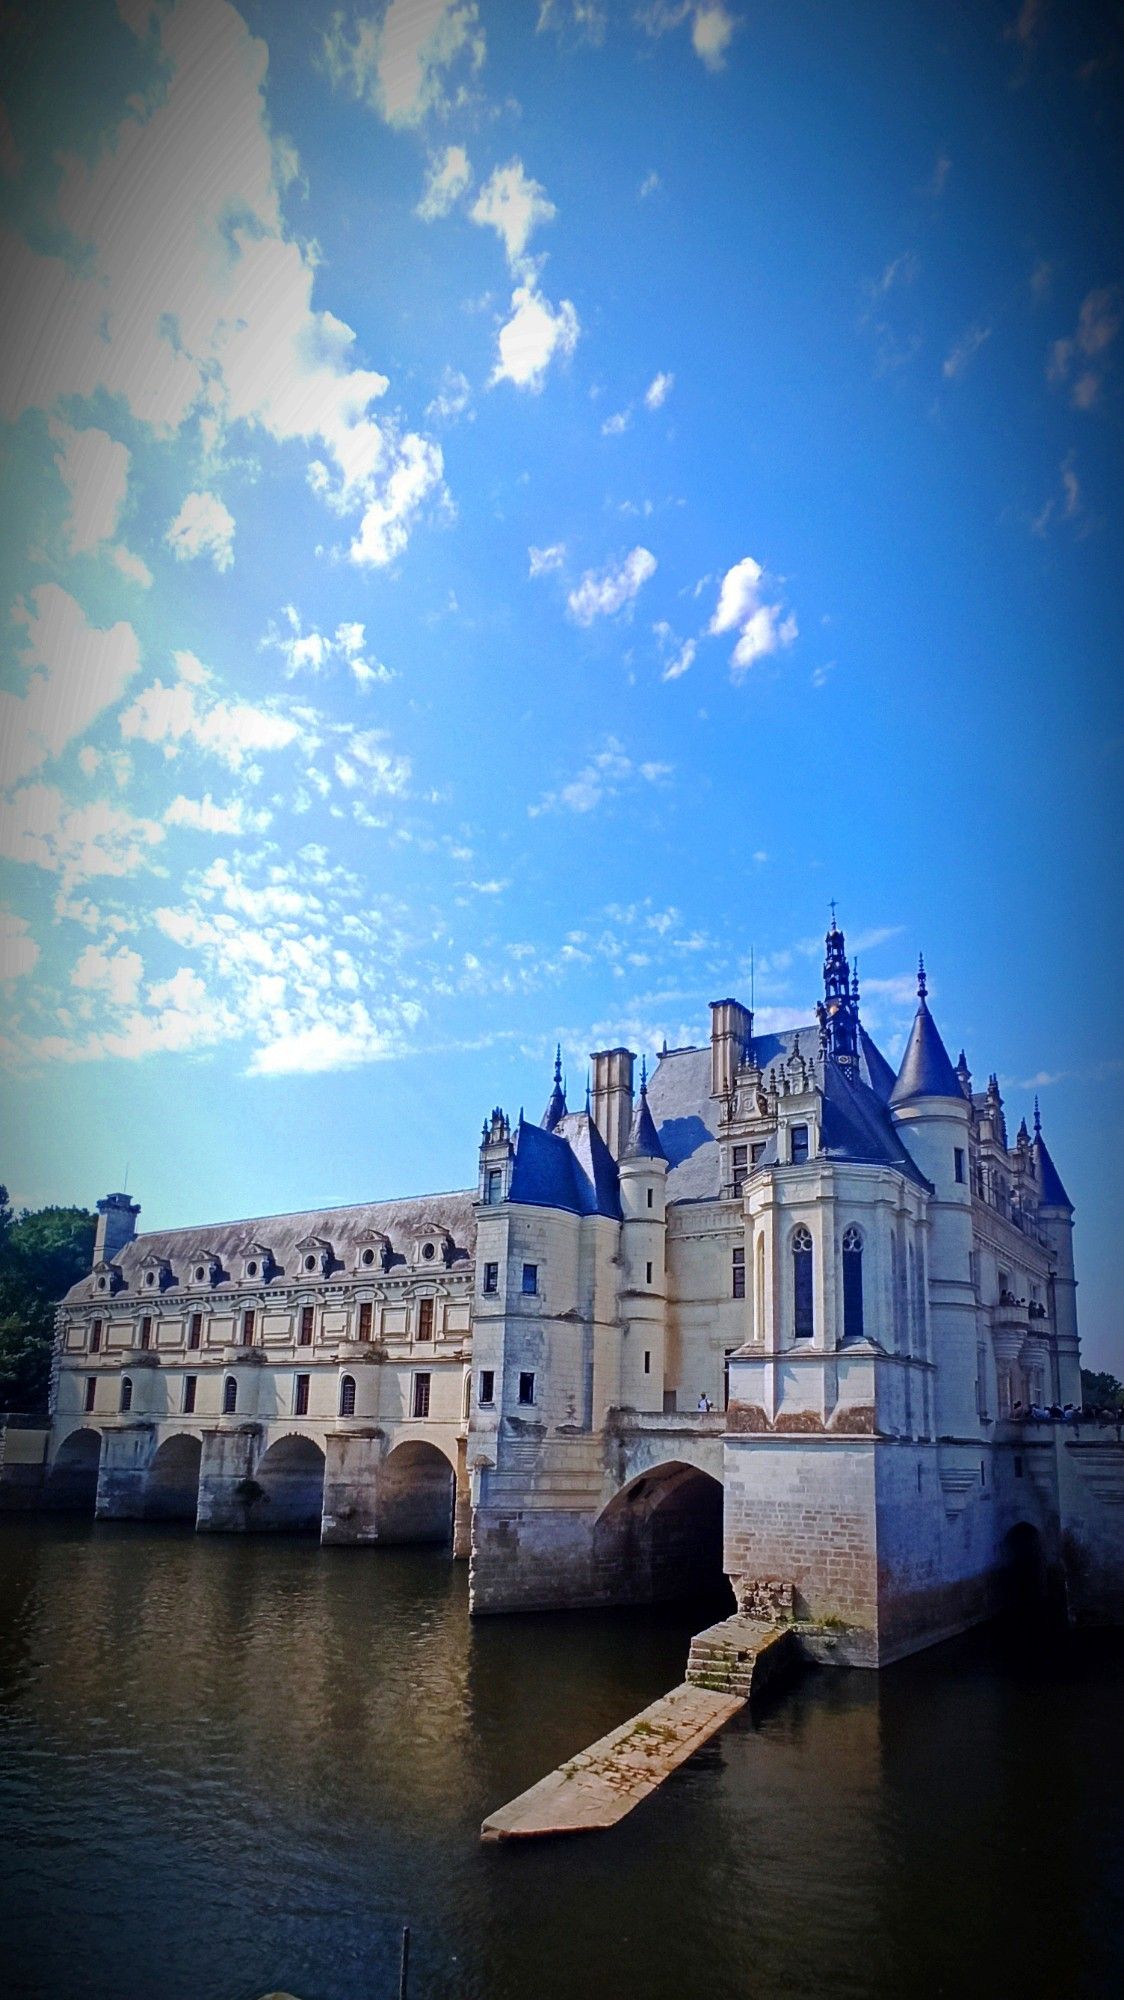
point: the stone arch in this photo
(72, 1482)
(1028, 1584)
(289, 1479)
(171, 1490)
(417, 1489)
(660, 1539)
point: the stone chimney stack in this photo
(611, 1100)
(117, 1225)
(731, 1029)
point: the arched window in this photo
(229, 1396)
(852, 1283)
(803, 1326)
(347, 1395)
(759, 1300)
(126, 1392)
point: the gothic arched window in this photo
(126, 1392)
(347, 1395)
(229, 1396)
(803, 1325)
(852, 1283)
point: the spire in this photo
(964, 1075)
(556, 1108)
(1051, 1192)
(1037, 1118)
(838, 1012)
(926, 1070)
(643, 1139)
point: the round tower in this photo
(1055, 1214)
(643, 1184)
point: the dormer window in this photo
(207, 1268)
(798, 1145)
(257, 1263)
(315, 1253)
(428, 1252)
(150, 1277)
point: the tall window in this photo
(304, 1333)
(195, 1330)
(526, 1389)
(737, 1288)
(487, 1385)
(530, 1280)
(229, 1396)
(726, 1376)
(958, 1161)
(420, 1404)
(366, 1315)
(759, 1301)
(146, 1330)
(803, 1325)
(248, 1327)
(425, 1319)
(189, 1386)
(300, 1396)
(95, 1336)
(126, 1392)
(91, 1391)
(493, 1184)
(347, 1395)
(798, 1145)
(491, 1277)
(739, 1168)
(852, 1283)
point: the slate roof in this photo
(856, 1121)
(926, 1070)
(1051, 1193)
(402, 1221)
(643, 1139)
(570, 1168)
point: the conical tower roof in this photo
(925, 1068)
(556, 1109)
(643, 1139)
(1051, 1192)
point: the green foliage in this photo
(1101, 1391)
(42, 1253)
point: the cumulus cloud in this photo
(602, 593)
(448, 176)
(573, 21)
(204, 526)
(40, 827)
(400, 66)
(74, 670)
(543, 560)
(712, 26)
(969, 344)
(315, 651)
(453, 399)
(95, 472)
(190, 300)
(186, 714)
(204, 816)
(1082, 358)
(513, 206)
(658, 391)
(19, 952)
(762, 628)
(532, 337)
(116, 973)
(617, 424)
(681, 662)
(609, 772)
(131, 566)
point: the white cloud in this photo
(682, 661)
(75, 671)
(602, 593)
(649, 185)
(190, 299)
(1083, 358)
(187, 714)
(617, 424)
(712, 25)
(448, 176)
(658, 391)
(315, 651)
(366, 766)
(607, 774)
(39, 826)
(131, 566)
(544, 560)
(530, 339)
(453, 398)
(573, 20)
(399, 65)
(762, 628)
(117, 974)
(513, 206)
(204, 816)
(19, 952)
(204, 526)
(95, 471)
(969, 344)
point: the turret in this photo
(643, 1170)
(1055, 1216)
(117, 1225)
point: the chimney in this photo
(117, 1225)
(611, 1102)
(731, 1029)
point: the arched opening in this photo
(1025, 1576)
(417, 1486)
(171, 1491)
(852, 1283)
(72, 1483)
(290, 1488)
(660, 1541)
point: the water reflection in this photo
(233, 1764)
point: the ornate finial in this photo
(588, 1093)
(1037, 1118)
(643, 1076)
(833, 913)
(855, 982)
(558, 1064)
(922, 988)
(663, 1047)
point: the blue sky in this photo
(509, 509)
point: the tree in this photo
(1101, 1391)
(42, 1253)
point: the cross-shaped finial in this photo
(833, 913)
(922, 988)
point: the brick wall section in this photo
(804, 1510)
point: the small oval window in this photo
(427, 1249)
(252, 1270)
(151, 1278)
(310, 1263)
(199, 1274)
(368, 1256)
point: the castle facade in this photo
(774, 1313)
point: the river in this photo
(230, 1765)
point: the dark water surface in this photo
(232, 1765)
